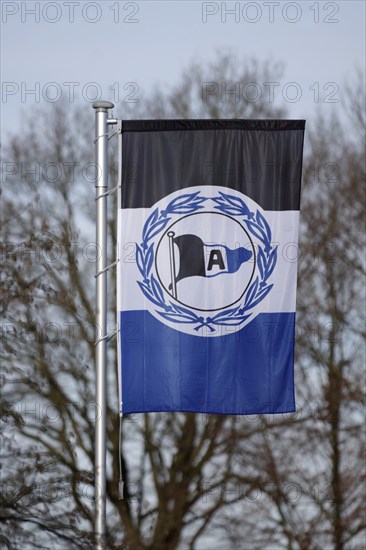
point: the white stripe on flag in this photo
(282, 298)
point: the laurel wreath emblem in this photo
(188, 204)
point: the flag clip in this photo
(121, 485)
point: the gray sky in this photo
(113, 43)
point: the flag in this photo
(206, 282)
(200, 259)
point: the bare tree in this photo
(311, 475)
(191, 481)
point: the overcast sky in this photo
(60, 48)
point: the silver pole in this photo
(101, 185)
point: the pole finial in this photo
(103, 105)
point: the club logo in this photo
(205, 258)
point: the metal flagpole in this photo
(101, 159)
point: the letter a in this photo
(215, 259)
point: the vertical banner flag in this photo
(206, 282)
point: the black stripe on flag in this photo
(260, 158)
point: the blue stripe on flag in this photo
(247, 372)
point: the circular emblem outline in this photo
(251, 277)
(190, 203)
